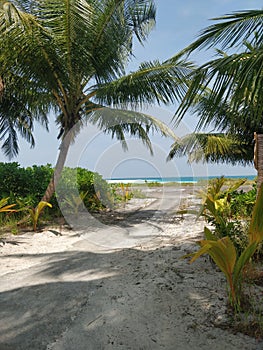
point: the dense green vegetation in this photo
(24, 184)
(25, 187)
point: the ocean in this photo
(183, 179)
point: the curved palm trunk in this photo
(258, 158)
(64, 147)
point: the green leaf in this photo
(203, 250)
(4, 207)
(223, 253)
(242, 261)
(35, 212)
(209, 235)
(255, 231)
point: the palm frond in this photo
(213, 148)
(152, 82)
(233, 30)
(8, 136)
(22, 103)
(142, 14)
(234, 81)
(119, 123)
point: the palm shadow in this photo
(65, 286)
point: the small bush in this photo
(74, 182)
(242, 203)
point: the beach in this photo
(116, 280)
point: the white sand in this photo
(115, 286)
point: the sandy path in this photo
(120, 286)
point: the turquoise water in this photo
(183, 179)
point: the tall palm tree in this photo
(70, 57)
(235, 79)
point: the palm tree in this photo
(70, 57)
(235, 80)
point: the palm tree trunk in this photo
(258, 158)
(2, 86)
(64, 147)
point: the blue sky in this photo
(178, 24)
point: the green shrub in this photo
(74, 182)
(122, 192)
(24, 184)
(26, 187)
(216, 208)
(242, 203)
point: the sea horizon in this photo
(179, 179)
